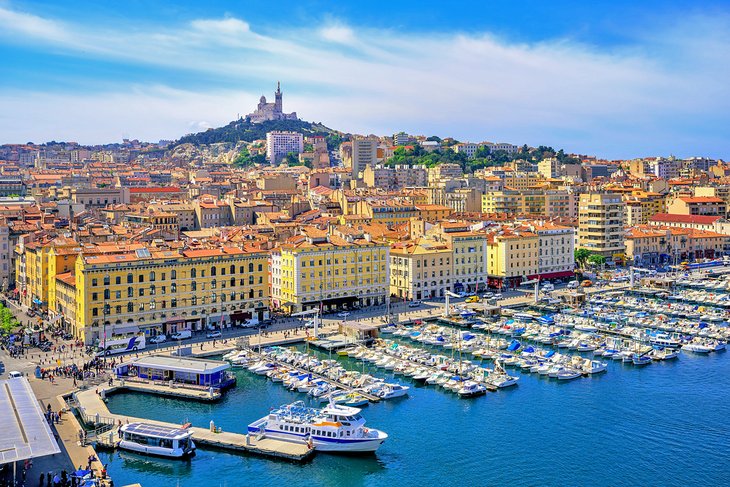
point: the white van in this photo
(182, 335)
(14, 375)
(573, 285)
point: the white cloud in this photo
(31, 26)
(337, 33)
(628, 102)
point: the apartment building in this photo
(364, 154)
(319, 270)
(165, 291)
(281, 143)
(421, 269)
(601, 224)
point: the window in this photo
(118, 280)
(130, 307)
(173, 274)
(94, 312)
(130, 278)
(141, 291)
(94, 296)
(107, 294)
(107, 280)
(193, 273)
(173, 288)
(213, 284)
(130, 292)
(233, 269)
(94, 282)
(153, 290)
(118, 309)
(152, 276)
(261, 267)
(193, 286)
(118, 295)
(250, 267)
(140, 278)
(213, 271)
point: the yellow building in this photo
(420, 269)
(642, 205)
(37, 268)
(433, 213)
(318, 269)
(513, 256)
(165, 291)
(551, 202)
(391, 212)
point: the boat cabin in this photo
(185, 370)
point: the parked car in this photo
(498, 296)
(461, 294)
(30, 313)
(573, 285)
(414, 304)
(488, 295)
(182, 335)
(214, 334)
(343, 314)
(472, 299)
(14, 374)
(587, 283)
(159, 338)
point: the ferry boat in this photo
(157, 440)
(335, 428)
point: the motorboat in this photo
(697, 347)
(640, 359)
(567, 373)
(335, 428)
(153, 439)
(390, 391)
(472, 389)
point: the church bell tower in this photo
(278, 107)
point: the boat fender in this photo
(365, 430)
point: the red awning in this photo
(557, 275)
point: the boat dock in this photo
(93, 411)
(333, 382)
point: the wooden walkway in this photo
(93, 409)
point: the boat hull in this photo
(156, 450)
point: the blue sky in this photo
(620, 79)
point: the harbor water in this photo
(664, 424)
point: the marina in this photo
(615, 343)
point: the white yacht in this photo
(158, 440)
(334, 428)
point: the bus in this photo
(121, 344)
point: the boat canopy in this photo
(550, 353)
(514, 345)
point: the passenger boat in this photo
(334, 428)
(157, 440)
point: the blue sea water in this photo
(664, 424)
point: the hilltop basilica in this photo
(271, 111)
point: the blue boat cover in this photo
(550, 354)
(514, 345)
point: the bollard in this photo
(212, 426)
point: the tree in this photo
(596, 259)
(581, 256)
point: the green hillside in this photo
(244, 130)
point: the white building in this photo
(364, 153)
(279, 144)
(468, 148)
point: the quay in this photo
(93, 411)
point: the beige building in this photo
(421, 269)
(601, 224)
(469, 254)
(513, 256)
(555, 250)
(698, 205)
